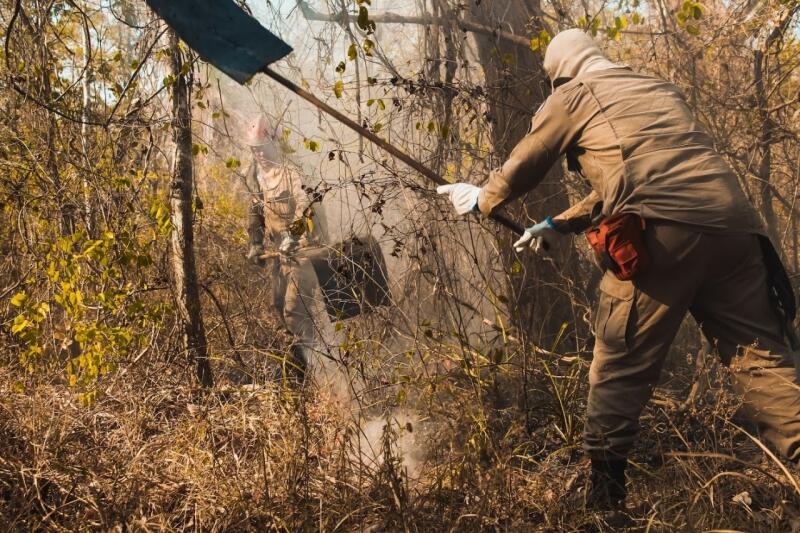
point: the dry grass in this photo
(490, 445)
(152, 454)
(476, 441)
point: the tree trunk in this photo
(516, 85)
(88, 74)
(764, 142)
(187, 296)
(66, 223)
(766, 138)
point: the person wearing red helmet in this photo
(278, 216)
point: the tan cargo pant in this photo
(295, 298)
(721, 280)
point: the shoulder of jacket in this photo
(569, 86)
(569, 95)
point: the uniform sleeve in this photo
(300, 197)
(550, 134)
(250, 180)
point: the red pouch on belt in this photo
(618, 244)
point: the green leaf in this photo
(42, 309)
(621, 22)
(338, 88)
(311, 144)
(691, 29)
(20, 323)
(340, 67)
(352, 52)
(232, 163)
(377, 127)
(363, 20)
(636, 18)
(370, 102)
(19, 299)
(595, 26)
(381, 105)
(537, 43)
(368, 47)
(371, 80)
(363, 17)
(544, 38)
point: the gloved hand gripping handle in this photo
(416, 165)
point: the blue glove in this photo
(538, 235)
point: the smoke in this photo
(363, 196)
(399, 434)
(403, 431)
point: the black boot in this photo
(607, 491)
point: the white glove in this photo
(288, 245)
(463, 195)
(538, 237)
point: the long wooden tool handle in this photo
(405, 158)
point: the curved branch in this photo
(344, 17)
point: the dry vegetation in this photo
(151, 455)
(461, 406)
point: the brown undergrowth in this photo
(152, 454)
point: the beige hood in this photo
(573, 52)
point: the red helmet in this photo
(259, 132)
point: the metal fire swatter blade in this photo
(352, 276)
(223, 35)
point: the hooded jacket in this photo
(277, 191)
(633, 137)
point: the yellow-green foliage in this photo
(95, 315)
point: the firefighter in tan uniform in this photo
(637, 143)
(278, 215)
